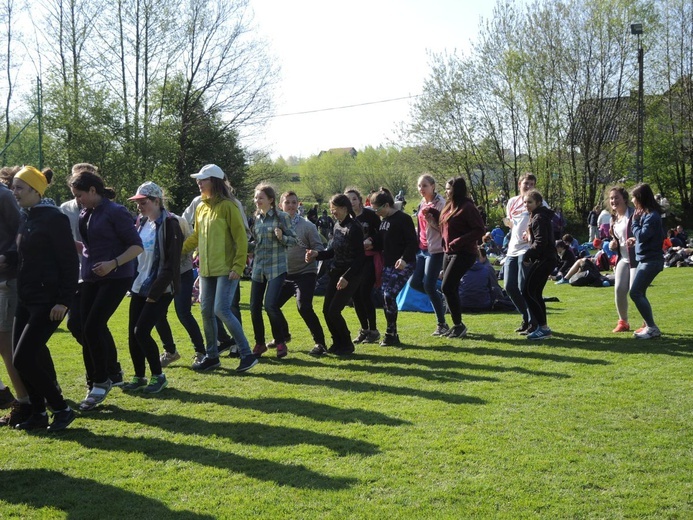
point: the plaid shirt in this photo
(270, 253)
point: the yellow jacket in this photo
(219, 237)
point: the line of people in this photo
(150, 258)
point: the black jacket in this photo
(46, 258)
(543, 244)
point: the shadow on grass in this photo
(444, 373)
(465, 347)
(298, 407)
(359, 386)
(163, 450)
(449, 364)
(247, 433)
(668, 344)
(78, 497)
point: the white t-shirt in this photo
(517, 213)
(145, 259)
(604, 218)
(620, 229)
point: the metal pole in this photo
(639, 165)
(39, 113)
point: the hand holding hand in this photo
(58, 312)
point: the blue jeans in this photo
(216, 296)
(644, 275)
(514, 275)
(271, 291)
(425, 279)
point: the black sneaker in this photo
(318, 350)
(441, 330)
(363, 336)
(345, 350)
(19, 412)
(117, 379)
(225, 346)
(523, 327)
(373, 336)
(247, 363)
(36, 421)
(390, 340)
(458, 331)
(6, 398)
(206, 364)
(62, 420)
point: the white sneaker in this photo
(648, 333)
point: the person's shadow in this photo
(81, 497)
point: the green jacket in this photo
(219, 237)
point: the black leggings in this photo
(335, 301)
(99, 300)
(537, 275)
(32, 359)
(364, 305)
(454, 267)
(303, 287)
(143, 317)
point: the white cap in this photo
(207, 171)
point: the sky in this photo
(336, 54)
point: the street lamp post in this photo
(636, 28)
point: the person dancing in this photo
(620, 231)
(648, 231)
(364, 305)
(461, 228)
(540, 260)
(348, 254)
(48, 270)
(301, 277)
(110, 243)
(398, 237)
(429, 259)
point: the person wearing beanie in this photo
(46, 281)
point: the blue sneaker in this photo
(561, 281)
(539, 334)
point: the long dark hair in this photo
(342, 201)
(460, 195)
(85, 176)
(644, 195)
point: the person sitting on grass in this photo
(566, 261)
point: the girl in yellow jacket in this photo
(222, 245)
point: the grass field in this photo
(589, 424)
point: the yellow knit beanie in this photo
(33, 178)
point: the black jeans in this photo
(454, 267)
(537, 275)
(335, 301)
(303, 287)
(99, 300)
(183, 303)
(143, 317)
(364, 305)
(32, 359)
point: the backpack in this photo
(601, 260)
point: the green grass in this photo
(589, 424)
